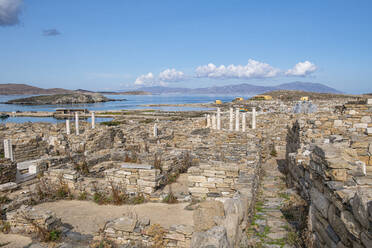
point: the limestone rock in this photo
(321, 203)
(204, 216)
(214, 238)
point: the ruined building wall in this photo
(336, 185)
(8, 171)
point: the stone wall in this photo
(26, 220)
(8, 171)
(135, 178)
(131, 230)
(335, 183)
(213, 180)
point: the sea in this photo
(132, 102)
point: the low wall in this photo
(8, 171)
(131, 230)
(213, 180)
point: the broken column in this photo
(68, 127)
(218, 119)
(213, 121)
(237, 119)
(243, 122)
(253, 118)
(77, 123)
(155, 130)
(231, 119)
(93, 120)
(8, 149)
(208, 120)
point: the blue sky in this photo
(117, 44)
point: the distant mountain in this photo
(311, 87)
(246, 89)
(24, 89)
(234, 89)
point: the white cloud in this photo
(254, 69)
(9, 12)
(164, 77)
(146, 79)
(171, 75)
(302, 69)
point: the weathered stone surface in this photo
(360, 206)
(319, 201)
(125, 224)
(215, 237)
(204, 216)
(350, 223)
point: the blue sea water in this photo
(132, 102)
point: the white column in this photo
(68, 127)
(208, 120)
(213, 121)
(237, 119)
(93, 120)
(8, 149)
(231, 119)
(253, 118)
(77, 123)
(155, 130)
(243, 122)
(218, 119)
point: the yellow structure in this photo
(239, 99)
(218, 102)
(262, 97)
(305, 98)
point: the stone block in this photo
(350, 223)
(321, 203)
(361, 125)
(197, 179)
(198, 190)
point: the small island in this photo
(74, 98)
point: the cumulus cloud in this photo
(9, 12)
(164, 77)
(146, 79)
(254, 69)
(50, 32)
(171, 75)
(301, 69)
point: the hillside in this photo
(295, 95)
(24, 89)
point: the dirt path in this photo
(269, 227)
(88, 217)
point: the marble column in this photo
(155, 130)
(237, 119)
(208, 120)
(253, 118)
(214, 122)
(93, 120)
(68, 131)
(243, 122)
(77, 123)
(231, 119)
(8, 149)
(218, 119)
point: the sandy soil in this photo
(88, 217)
(14, 241)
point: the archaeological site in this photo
(276, 173)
